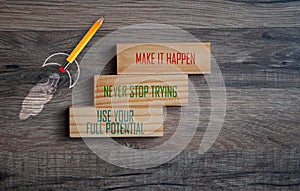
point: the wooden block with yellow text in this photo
(137, 121)
(163, 58)
(169, 90)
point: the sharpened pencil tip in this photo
(100, 20)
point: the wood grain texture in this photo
(223, 170)
(137, 121)
(256, 45)
(256, 148)
(163, 58)
(52, 15)
(168, 90)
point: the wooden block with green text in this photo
(163, 58)
(169, 90)
(137, 121)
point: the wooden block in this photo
(163, 58)
(169, 90)
(137, 121)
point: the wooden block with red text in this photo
(163, 58)
(138, 121)
(169, 90)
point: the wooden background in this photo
(256, 44)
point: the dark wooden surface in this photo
(255, 43)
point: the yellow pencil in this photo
(87, 37)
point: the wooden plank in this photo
(52, 15)
(170, 90)
(262, 169)
(163, 58)
(138, 121)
